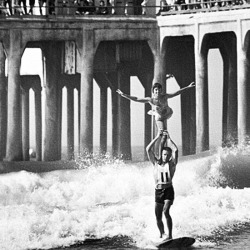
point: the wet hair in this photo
(156, 85)
(169, 150)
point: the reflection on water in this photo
(114, 201)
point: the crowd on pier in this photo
(175, 5)
(104, 7)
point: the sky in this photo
(32, 64)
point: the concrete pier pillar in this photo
(225, 97)
(52, 52)
(38, 116)
(146, 78)
(87, 59)
(230, 98)
(70, 122)
(14, 135)
(3, 104)
(112, 80)
(202, 122)
(124, 131)
(148, 123)
(103, 119)
(185, 74)
(79, 119)
(242, 79)
(160, 70)
(114, 123)
(59, 121)
(25, 123)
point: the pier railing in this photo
(75, 8)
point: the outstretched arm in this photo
(149, 149)
(133, 98)
(192, 84)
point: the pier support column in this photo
(38, 116)
(25, 123)
(114, 123)
(3, 104)
(184, 71)
(52, 51)
(103, 82)
(243, 109)
(159, 70)
(70, 122)
(148, 122)
(202, 122)
(230, 97)
(113, 79)
(87, 68)
(124, 131)
(103, 119)
(146, 78)
(14, 135)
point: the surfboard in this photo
(175, 243)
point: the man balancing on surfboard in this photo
(164, 169)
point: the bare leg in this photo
(158, 214)
(166, 209)
(162, 127)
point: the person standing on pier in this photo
(164, 170)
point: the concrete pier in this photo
(38, 118)
(14, 134)
(124, 132)
(110, 50)
(52, 52)
(3, 104)
(70, 122)
(230, 34)
(86, 71)
(25, 122)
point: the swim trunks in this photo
(164, 114)
(164, 194)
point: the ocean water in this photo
(109, 204)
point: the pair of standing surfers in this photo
(165, 165)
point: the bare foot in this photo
(165, 237)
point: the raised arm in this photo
(133, 98)
(174, 148)
(149, 149)
(192, 84)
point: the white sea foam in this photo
(62, 207)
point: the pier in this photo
(110, 49)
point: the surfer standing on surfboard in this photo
(164, 169)
(159, 102)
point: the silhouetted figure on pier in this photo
(91, 8)
(16, 8)
(83, 7)
(32, 4)
(9, 2)
(164, 7)
(3, 10)
(41, 3)
(102, 9)
(24, 5)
